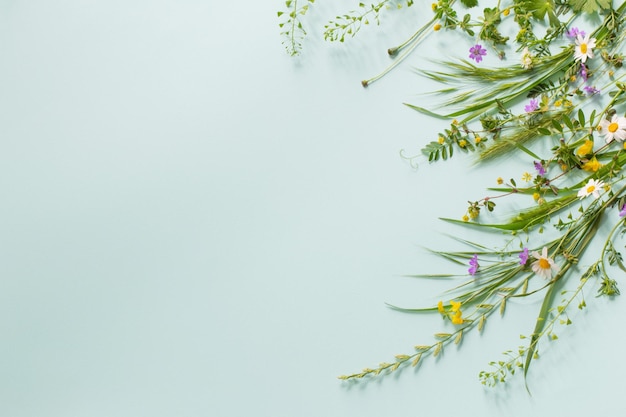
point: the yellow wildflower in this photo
(527, 177)
(536, 196)
(564, 167)
(440, 140)
(611, 73)
(434, 6)
(558, 103)
(455, 122)
(457, 319)
(456, 305)
(506, 11)
(592, 165)
(586, 148)
(462, 143)
(440, 307)
(572, 78)
(477, 139)
(437, 27)
(465, 218)
(499, 180)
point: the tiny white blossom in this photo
(614, 129)
(584, 48)
(592, 187)
(544, 265)
(527, 59)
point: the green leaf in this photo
(590, 6)
(470, 3)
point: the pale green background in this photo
(195, 224)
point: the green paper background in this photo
(195, 224)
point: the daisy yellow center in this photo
(544, 264)
(583, 48)
(613, 127)
(591, 189)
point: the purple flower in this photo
(622, 211)
(532, 106)
(591, 90)
(473, 265)
(523, 256)
(574, 32)
(477, 52)
(540, 169)
(583, 72)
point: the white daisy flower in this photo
(592, 187)
(544, 265)
(613, 129)
(584, 48)
(527, 59)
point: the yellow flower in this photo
(506, 11)
(564, 167)
(572, 78)
(499, 180)
(611, 73)
(536, 196)
(592, 165)
(440, 307)
(457, 319)
(434, 6)
(527, 177)
(465, 218)
(456, 305)
(455, 122)
(462, 143)
(477, 139)
(437, 27)
(558, 103)
(440, 140)
(586, 148)
(624, 145)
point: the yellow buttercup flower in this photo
(437, 27)
(465, 218)
(440, 140)
(527, 177)
(592, 165)
(462, 143)
(500, 180)
(506, 11)
(456, 305)
(536, 196)
(457, 318)
(586, 148)
(440, 307)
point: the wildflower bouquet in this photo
(556, 100)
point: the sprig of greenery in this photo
(293, 31)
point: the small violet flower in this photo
(540, 169)
(574, 32)
(622, 211)
(583, 72)
(477, 52)
(591, 90)
(523, 256)
(532, 106)
(473, 265)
